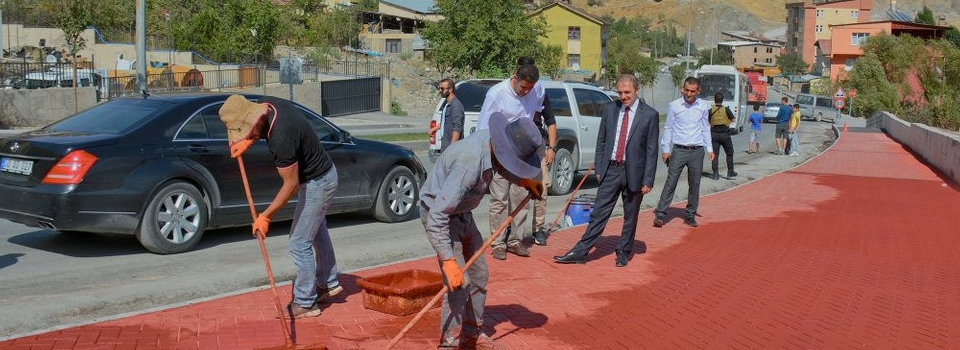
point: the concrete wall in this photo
(36, 108)
(938, 147)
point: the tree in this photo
(677, 74)
(224, 29)
(73, 17)
(792, 64)
(925, 16)
(953, 36)
(874, 91)
(721, 57)
(480, 35)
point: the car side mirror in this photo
(345, 137)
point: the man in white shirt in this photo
(686, 134)
(517, 97)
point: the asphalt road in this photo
(53, 280)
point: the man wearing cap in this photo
(626, 163)
(517, 97)
(454, 187)
(307, 170)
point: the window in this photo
(559, 102)
(769, 50)
(854, 14)
(112, 118)
(393, 45)
(573, 61)
(819, 12)
(768, 60)
(323, 130)
(819, 28)
(573, 33)
(754, 60)
(856, 39)
(754, 49)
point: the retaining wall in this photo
(22, 108)
(938, 147)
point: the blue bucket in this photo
(578, 213)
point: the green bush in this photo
(396, 108)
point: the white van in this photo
(816, 107)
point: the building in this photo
(579, 34)
(394, 29)
(743, 35)
(844, 49)
(751, 54)
(809, 21)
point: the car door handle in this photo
(584, 127)
(198, 148)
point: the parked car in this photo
(577, 108)
(159, 167)
(816, 107)
(770, 112)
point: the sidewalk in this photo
(854, 249)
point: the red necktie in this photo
(622, 138)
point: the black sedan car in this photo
(159, 167)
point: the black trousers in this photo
(613, 186)
(722, 138)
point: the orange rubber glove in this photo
(533, 186)
(261, 225)
(453, 273)
(237, 148)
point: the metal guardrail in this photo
(25, 75)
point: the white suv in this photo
(577, 108)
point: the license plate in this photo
(16, 166)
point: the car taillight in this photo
(71, 169)
(433, 137)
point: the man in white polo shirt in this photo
(517, 97)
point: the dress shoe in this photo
(731, 174)
(517, 248)
(715, 176)
(658, 222)
(622, 258)
(500, 252)
(691, 222)
(570, 258)
(540, 237)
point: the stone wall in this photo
(938, 147)
(37, 108)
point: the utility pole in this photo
(142, 46)
(716, 25)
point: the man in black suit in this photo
(626, 162)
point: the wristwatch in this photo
(552, 148)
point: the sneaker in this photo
(794, 154)
(714, 176)
(540, 237)
(517, 248)
(779, 152)
(731, 173)
(658, 222)
(298, 312)
(324, 293)
(692, 222)
(500, 252)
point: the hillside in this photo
(753, 15)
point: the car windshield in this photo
(471, 94)
(805, 99)
(711, 84)
(113, 117)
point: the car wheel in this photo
(397, 197)
(174, 220)
(561, 173)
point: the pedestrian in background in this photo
(756, 122)
(794, 131)
(720, 119)
(307, 171)
(451, 115)
(686, 137)
(783, 123)
(626, 160)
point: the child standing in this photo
(756, 119)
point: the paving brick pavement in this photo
(855, 249)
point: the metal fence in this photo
(112, 84)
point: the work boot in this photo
(500, 252)
(325, 293)
(517, 248)
(731, 174)
(540, 237)
(298, 312)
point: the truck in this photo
(756, 86)
(577, 108)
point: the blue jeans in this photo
(310, 245)
(795, 142)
